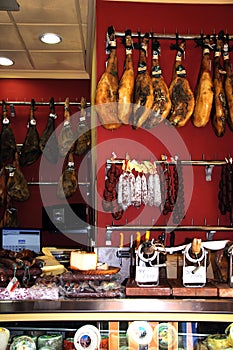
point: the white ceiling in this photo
(73, 20)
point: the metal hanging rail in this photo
(182, 162)
(170, 36)
(50, 183)
(167, 228)
(42, 103)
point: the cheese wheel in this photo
(4, 337)
(52, 340)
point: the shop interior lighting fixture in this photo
(50, 38)
(5, 61)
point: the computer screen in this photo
(17, 239)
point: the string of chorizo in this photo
(178, 190)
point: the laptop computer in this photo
(17, 239)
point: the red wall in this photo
(188, 141)
(30, 211)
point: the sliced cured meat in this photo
(182, 97)
(7, 138)
(126, 85)
(30, 150)
(162, 102)
(143, 92)
(48, 141)
(204, 90)
(106, 95)
(66, 135)
(220, 111)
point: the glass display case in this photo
(129, 323)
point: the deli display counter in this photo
(125, 323)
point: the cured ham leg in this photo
(17, 186)
(66, 136)
(106, 96)
(143, 94)
(68, 182)
(30, 150)
(162, 102)
(10, 217)
(48, 140)
(7, 139)
(2, 186)
(182, 97)
(228, 86)
(83, 133)
(126, 85)
(220, 107)
(204, 90)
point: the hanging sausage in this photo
(178, 190)
(225, 195)
(167, 190)
(111, 195)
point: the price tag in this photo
(12, 285)
(198, 277)
(147, 274)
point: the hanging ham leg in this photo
(30, 150)
(106, 96)
(220, 107)
(162, 102)
(204, 89)
(126, 85)
(48, 140)
(83, 133)
(66, 136)
(181, 95)
(143, 94)
(10, 217)
(2, 186)
(17, 186)
(68, 182)
(7, 139)
(228, 86)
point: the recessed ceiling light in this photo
(4, 61)
(50, 38)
